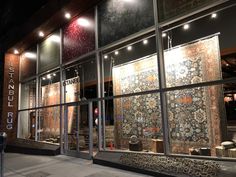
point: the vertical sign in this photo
(10, 96)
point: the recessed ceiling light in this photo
(105, 56)
(186, 26)
(116, 52)
(54, 74)
(129, 48)
(164, 35)
(214, 15)
(49, 76)
(16, 51)
(83, 22)
(145, 41)
(44, 78)
(41, 34)
(67, 15)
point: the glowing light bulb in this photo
(214, 15)
(186, 26)
(145, 41)
(129, 48)
(116, 52)
(41, 34)
(67, 15)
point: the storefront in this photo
(152, 77)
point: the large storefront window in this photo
(79, 37)
(135, 120)
(49, 52)
(28, 64)
(118, 19)
(197, 52)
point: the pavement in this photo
(22, 165)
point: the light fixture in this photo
(186, 26)
(105, 56)
(41, 34)
(54, 38)
(54, 74)
(164, 35)
(49, 76)
(67, 15)
(30, 55)
(227, 64)
(44, 78)
(116, 52)
(145, 41)
(16, 51)
(214, 15)
(83, 22)
(129, 48)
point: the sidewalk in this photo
(21, 165)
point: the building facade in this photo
(149, 76)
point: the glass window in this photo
(28, 95)
(50, 89)
(132, 68)
(169, 9)
(48, 128)
(79, 37)
(81, 81)
(197, 120)
(27, 124)
(118, 19)
(200, 51)
(28, 64)
(49, 52)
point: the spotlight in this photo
(16, 51)
(214, 15)
(164, 35)
(83, 22)
(41, 34)
(129, 48)
(105, 56)
(116, 52)
(145, 41)
(44, 78)
(67, 15)
(186, 26)
(54, 74)
(49, 76)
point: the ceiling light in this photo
(49, 76)
(44, 78)
(105, 56)
(145, 41)
(67, 15)
(116, 52)
(129, 48)
(41, 34)
(214, 15)
(186, 26)
(83, 22)
(227, 64)
(16, 51)
(164, 35)
(54, 74)
(54, 38)
(30, 55)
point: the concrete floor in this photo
(21, 165)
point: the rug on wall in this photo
(196, 116)
(136, 115)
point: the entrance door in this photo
(78, 139)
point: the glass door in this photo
(79, 131)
